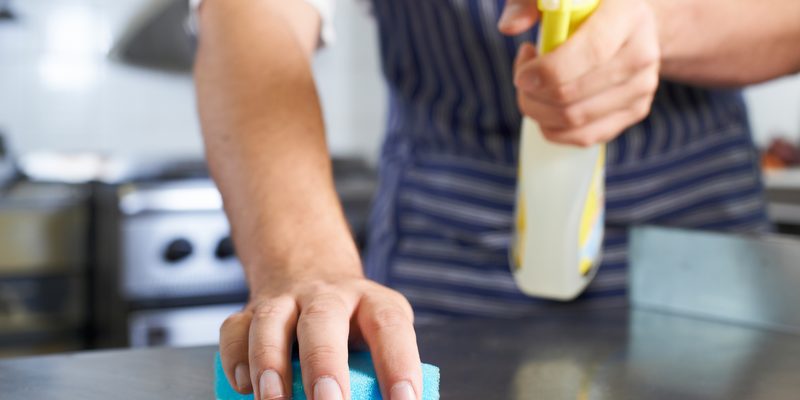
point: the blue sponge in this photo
(363, 382)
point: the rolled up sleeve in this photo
(325, 8)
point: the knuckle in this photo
(317, 286)
(646, 56)
(272, 309)
(642, 109)
(526, 107)
(552, 136)
(619, 75)
(387, 319)
(234, 320)
(405, 305)
(323, 305)
(397, 299)
(640, 113)
(574, 116)
(548, 72)
(598, 49)
(564, 94)
(319, 356)
(585, 141)
(265, 352)
(232, 345)
(652, 83)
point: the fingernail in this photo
(327, 388)
(270, 385)
(242, 375)
(402, 391)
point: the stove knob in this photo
(177, 250)
(225, 248)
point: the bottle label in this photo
(590, 237)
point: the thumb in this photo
(518, 16)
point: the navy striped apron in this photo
(440, 227)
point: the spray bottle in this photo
(560, 205)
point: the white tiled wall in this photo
(59, 91)
(775, 109)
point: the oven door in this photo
(186, 326)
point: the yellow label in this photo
(590, 234)
(518, 247)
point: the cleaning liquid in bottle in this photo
(560, 205)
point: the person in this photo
(655, 79)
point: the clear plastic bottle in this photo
(560, 208)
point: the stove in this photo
(166, 270)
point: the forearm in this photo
(265, 143)
(728, 42)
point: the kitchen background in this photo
(111, 234)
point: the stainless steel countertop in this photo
(602, 355)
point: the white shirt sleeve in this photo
(325, 8)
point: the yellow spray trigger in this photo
(560, 19)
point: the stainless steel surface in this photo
(748, 279)
(121, 375)
(599, 355)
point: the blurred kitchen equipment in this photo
(781, 153)
(43, 261)
(157, 238)
(8, 168)
(6, 13)
(87, 167)
(783, 199)
(166, 265)
(43, 267)
(744, 279)
(159, 38)
(184, 326)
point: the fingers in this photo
(602, 130)
(606, 73)
(576, 115)
(518, 16)
(233, 337)
(270, 334)
(322, 335)
(321, 315)
(386, 321)
(594, 44)
(636, 55)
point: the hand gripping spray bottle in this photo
(560, 204)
